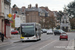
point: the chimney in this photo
(36, 5)
(46, 8)
(29, 6)
(23, 7)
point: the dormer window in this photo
(48, 14)
(23, 13)
(66, 22)
(8, 0)
(16, 12)
(40, 14)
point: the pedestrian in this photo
(2, 37)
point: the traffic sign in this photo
(9, 15)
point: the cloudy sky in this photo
(54, 5)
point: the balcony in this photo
(1, 14)
(7, 2)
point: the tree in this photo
(72, 21)
(71, 9)
(59, 14)
(50, 22)
(71, 13)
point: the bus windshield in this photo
(27, 31)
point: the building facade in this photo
(36, 14)
(32, 14)
(65, 23)
(7, 20)
(20, 15)
(2, 16)
(5, 10)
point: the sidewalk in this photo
(14, 38)
(6, 41)
(70, 32)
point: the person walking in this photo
(2, 36)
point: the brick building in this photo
(32, 14)
(36, 14)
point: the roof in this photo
(31, 9)
(36, 9)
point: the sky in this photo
(53, 5)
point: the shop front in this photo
(7, 28)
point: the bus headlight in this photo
(22, 37)
(34, 37)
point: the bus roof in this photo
(30, 23)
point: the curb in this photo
(7, 42)
(16, 41)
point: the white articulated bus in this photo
(30, 31)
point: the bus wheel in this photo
(22, 41)
(39, 39)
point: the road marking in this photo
(47, 45)
(70, 45)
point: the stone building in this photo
(65, 23)
(2, 16)
(5, 21)
(20, 15)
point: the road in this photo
(47, 42)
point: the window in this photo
(62, 21)
(16, 12)
(8, 0)
(66, 22)
(23, 13)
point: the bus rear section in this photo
(30, 31)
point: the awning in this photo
(10, 21)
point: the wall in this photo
(32, 16)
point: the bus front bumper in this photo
(28, 38)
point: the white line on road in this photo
(70, 45)
(47, 45)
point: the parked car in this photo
(58, 32)
(14, 32)
(49, 32)
(63, 36)
(44, 30)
